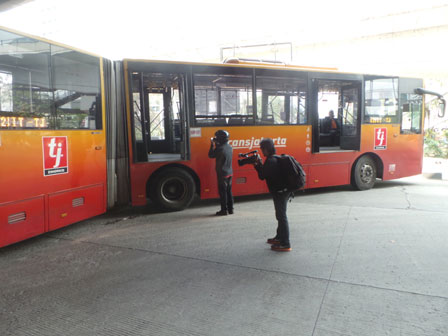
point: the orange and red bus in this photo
(52, 136)
(79, 134)
(174, 109)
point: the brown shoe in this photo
(281, 248)
(273, 241)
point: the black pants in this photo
(280, 204)
(225, 193)
(334, 137)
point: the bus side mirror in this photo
(442, 100)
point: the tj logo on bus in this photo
(381, 138)
(55, 155)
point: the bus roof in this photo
(255, 62)
(263, 65)
(41, 39)
(240, 63)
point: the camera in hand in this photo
(248, 158)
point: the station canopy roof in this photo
(9, 4)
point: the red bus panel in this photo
(329, 174)
(21, 220)
(75, 205)
(77, 185)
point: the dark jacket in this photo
(223, 154)
(270, 171)
(327, 125)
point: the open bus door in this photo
(338, 96)
(160, 132)
(160, 120)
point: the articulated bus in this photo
(80, 134)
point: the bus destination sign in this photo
(22, 122)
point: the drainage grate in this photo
(17, 218)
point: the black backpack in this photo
(294, 175)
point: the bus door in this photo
(160, 127)
(350, 133)
(409, 136)
(335, 113)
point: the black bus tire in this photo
(173, 189)
(364, 173)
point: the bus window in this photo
(76, 82)
(5, 91)
(139, 121)
(349, 111)
(156, 116)
(137, 116)
(223, 99)
(281, 100)
(381, 101)
(25, 91)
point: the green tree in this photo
(436, 143)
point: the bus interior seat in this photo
(324, 126)
(236, 121)
(266, 121)
(326, 137)
(219, 122)
(249, 121)
(204, 122)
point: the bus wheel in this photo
(364, 173)
(173, 189)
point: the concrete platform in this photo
(363, 263)
(435, 168)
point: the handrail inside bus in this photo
(422, 91)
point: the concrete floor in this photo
(363, 263)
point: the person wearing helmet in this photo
(222, 152)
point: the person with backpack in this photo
(271, 171)
(222, 152)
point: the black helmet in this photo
(222, 136)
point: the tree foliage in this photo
(436, 143)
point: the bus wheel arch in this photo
(365, 170)
(173, 187)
